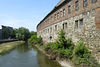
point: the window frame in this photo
(85, 3)
(94, 1)
(81, 21)
(76, 27)
(63, 12)
(58, 15)
(55, 27)
(77, 5)
(69, 9)
(55, 16)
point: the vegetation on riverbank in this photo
(6, 47)
(80, 55)
(35, 40)
(65, 48)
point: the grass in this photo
(6, 47)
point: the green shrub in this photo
(82, 54)
(39, 40)
(61, 38)
(81, 50)
(47, 47)
(34, 40)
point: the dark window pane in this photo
(77, 7)
(85, 3)
(81, 23)
(76, 24)
(69, 9)
(94, 0)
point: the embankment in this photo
(5, 47)
(55, 56)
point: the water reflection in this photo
(26, 56)
(45, 62)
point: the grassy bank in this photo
(5, 47)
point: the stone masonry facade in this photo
(79, 19)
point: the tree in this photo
(13, 34)
(31, 33)
(6, 33)
(22, 34)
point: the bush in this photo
(62, 45)
(34, 40)
(47, 47)
(39, 40)
(82, 53)
(61, 38)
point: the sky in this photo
(24, 13)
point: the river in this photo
(26, 56)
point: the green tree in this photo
(31, 33)
(22, 34)
(13, 34)
(6, 33)
(61, 38)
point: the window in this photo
(77, 5)
(57, 15)
(85, 3)
(76, 24)
(94, 1)
(51, 19)
(66, 26)
(63, 26)
(55, 27)
(81, 23)
(69, 9)
(50, 29)
(63, 12)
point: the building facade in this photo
(79, 18)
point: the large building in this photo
(79, 18)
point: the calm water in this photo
(26, 56)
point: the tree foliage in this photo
(22, 34)
(36, 40)
(13, 34)
(6, 33)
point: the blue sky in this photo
(24, 13)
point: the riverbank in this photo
(55, 56)
(5, 47)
